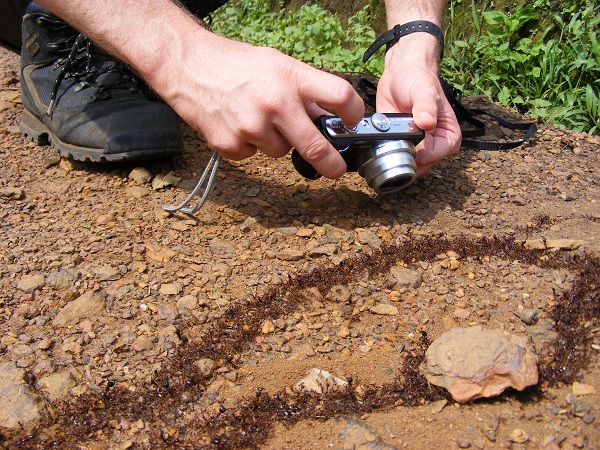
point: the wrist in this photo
(418, 48)
(404, 32)
(162, 52)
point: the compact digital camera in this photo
(381, 148)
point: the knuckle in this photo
(275, 104)
(288, 68)
(315, 150)
(250, 129)
(346, 92)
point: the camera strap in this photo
(476, 127)
(471, 127)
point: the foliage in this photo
(310, 34)
(552, 75)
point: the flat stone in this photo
(356, 435)
(187, 302)
(165, 179)
(247, 224)
(290, 254)
(58, 385)
(171, 288)
(12, 193)
(304, 350)
(142, 343)
(527, 315)
(580, 389)
(205, 366)
(140, 175)
(168, 313)
(158, 253)
(366, 237)
(564, 244)
(219, 246)
(106, 273)
(556, 244)
(403, 278)
(322, 250)
(63, 278)
(30, 283)
(86, 306)
(384, 309)
(137, 191)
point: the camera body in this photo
(381, 148)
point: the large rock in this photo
(19, 405)
(476, 362)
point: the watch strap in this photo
(390, 37)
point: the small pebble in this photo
(463, 442)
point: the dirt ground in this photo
(199, 327)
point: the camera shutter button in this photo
(381, 122)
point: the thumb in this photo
(426, 103)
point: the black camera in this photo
(381, 148)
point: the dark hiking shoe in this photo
(83, 102)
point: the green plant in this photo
(553, 75)
(310, 34)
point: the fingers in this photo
(314, 111)
(332, 92)
(319, 90)
(419, 92)
(313, 147)
(273, 144)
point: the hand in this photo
(410, 84)
(253, 98)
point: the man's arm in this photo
(410, 81)
(240, 97)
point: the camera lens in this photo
(388, 166)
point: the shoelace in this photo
(206, 180)
(84, 63)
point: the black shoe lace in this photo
(81, 60)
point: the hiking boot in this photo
(84, 103)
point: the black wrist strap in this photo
(391, 36)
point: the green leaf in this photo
(504, 96)
(495, 17)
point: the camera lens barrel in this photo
(381, 148)
(387, 166)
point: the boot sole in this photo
(35, 130)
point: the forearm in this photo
(420, 46)
(149, 35)
(402, 11)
